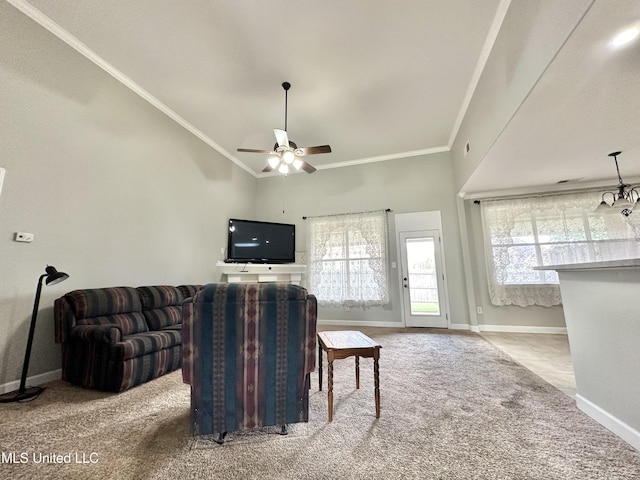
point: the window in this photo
(348, 259)
(527, 232)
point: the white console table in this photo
(268, 272)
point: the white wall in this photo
(415, 184)
(115, 192)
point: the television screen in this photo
(260, 242)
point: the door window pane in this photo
(423, 282)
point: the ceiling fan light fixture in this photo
(297, 163)
(284, 168)
(288, 157)
(273, 161)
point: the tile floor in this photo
(546, 355)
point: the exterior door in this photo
(422, 279)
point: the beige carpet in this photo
(453, 407)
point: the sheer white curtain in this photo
(522, 233)
(347, 256)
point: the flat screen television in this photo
(250, 241)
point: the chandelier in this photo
(623, 199)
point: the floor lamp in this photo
(23, 393)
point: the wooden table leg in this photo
(357, 371)
(376, 381)
(330, 382)
(319, 367)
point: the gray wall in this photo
(115, 192)
(410, 185)
(511, 316)
(504, 84)
(506, 80)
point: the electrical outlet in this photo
(479, 310)
(24, 237)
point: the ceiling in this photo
(375, 81)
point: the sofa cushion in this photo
(97, 302)
(118, 306)
(127, 323)
(161, 306)
(138, 344)
(189, 290)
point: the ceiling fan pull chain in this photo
(283, 194)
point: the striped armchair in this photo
(248, 351)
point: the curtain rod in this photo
(387, 210)
(545, 194)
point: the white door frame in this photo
(416, 222)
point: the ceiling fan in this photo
(285, 154)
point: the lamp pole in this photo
(23, 393)
(32, 329)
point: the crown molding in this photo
(44, 21)
(498, 19)
(381, 158)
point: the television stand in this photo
(263, 272)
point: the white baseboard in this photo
(356, 323)
(604, 418)
(460, 326)
(453, 326)
(519, 329)
(32, 381)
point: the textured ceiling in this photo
(375, 80)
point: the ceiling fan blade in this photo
(307, 167)
(253, 150)
(314, 150)
(281, 137)
(267, 169)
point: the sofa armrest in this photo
(63, 318)
(188, 348)
(107, 334)
(311, 334)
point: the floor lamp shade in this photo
(51, 277)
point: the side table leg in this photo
(330, 381)
(357, 371)
(376, 382)
(319, 367)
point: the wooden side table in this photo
(342, 344)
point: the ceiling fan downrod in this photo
(286, 86)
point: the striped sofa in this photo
(249, 349)
(119, 337)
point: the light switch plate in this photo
(24, 237)
(2, 170)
